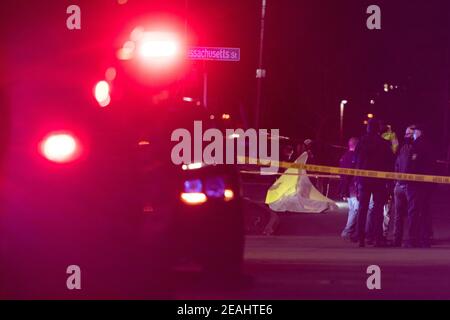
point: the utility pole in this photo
(341, 122)
(260, 72)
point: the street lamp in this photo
(343, 103)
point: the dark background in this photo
(316, 53)
(320, 52)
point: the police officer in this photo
(400, 194)
(419, 216)
(372, 153)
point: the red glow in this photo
(152, 49)
(159, 46)
(60, 148)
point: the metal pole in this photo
(205, 87)
(341, 127)
(260, 73)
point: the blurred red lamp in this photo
(158, 45)
(60, 148)
(101, 93)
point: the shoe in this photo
(397, 244)
(425, 245)
(353, 239)
(345, 237)
(381, 244)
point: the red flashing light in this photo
(60, 148)
(102, 93)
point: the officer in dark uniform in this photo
(400, 194)
(419, 216)
(372, 153)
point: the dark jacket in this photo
(421, 159)
(347, 183)
(373, 153)
(402, 161)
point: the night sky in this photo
(319, 52)
(316, 53)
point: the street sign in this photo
(214, 54)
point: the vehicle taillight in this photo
(193, 198)
(60, 148)
(228, 195)
(197, 191)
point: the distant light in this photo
(137, 34)
(212, 117)
(366, 122)
(143, 143)
(102, 90)
(60, 148)
(372, 101)
(228, 194)
(188, 99)
(370, 116)
(195, 198)
(105, 103)
(192, 166)
(391, 87)
(148, 208)
(101, 93)
(386, 87)
(127, 51)
(226, 116)
(110, 74)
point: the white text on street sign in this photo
(214, 54)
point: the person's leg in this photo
(370, 233)
(414, 207)
(350, 228)
(387, 213)
(379, 200)
(364, 194)
(425, 225)
(401, 207)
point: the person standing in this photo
(372, 153)
(388, 134)
(419, 216)
(348, 190)
(400, 194)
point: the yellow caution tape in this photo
(350, 172)
(312, 175)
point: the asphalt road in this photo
(306, 259)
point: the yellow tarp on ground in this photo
(294, 192)
(284, 186)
